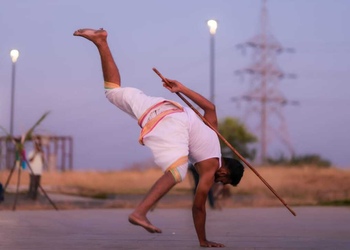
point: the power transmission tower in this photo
(264, 97)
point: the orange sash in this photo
(154, 121)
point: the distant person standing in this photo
(36, 162)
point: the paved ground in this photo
(238, 228)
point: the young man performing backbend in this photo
(175, 134)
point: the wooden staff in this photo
(226, 142)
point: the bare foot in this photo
(92, 35)
(143, 222)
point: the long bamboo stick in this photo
(227, 143)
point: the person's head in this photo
(231, 172)
(37, 144)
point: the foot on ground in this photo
(143, 222)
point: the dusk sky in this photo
(61, 73)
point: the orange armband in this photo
(111, 85)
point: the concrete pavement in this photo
(237, 228)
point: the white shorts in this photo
(180, 137)
(176, 139)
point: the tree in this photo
(238, 136)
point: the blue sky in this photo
(62, 73)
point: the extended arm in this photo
(199, 212)
(32, 156)
(206, 172)
(202, 102)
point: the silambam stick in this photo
(226, 142)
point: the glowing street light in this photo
(14, 56)
(213, 25)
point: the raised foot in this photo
(91, 34)
(143, 222)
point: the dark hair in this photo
(236, 170)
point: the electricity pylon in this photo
(264, 97)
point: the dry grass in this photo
(297, 186)
(94, 182)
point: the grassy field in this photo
(297, 186)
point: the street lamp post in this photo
(212, 24)
(14, 56)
